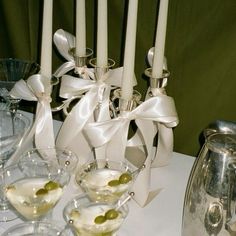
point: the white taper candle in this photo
(80, 49)
(160, 40)
(129, 54)
(46, 45)
(102, 54)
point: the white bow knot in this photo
(36, 89)
(65, 42)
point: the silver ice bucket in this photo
(210, 198)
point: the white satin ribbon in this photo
(165, 141)
(97, 95)
(114, 133)
(65, 42)
(36, 89)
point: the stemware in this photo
(105, 180)
(12, 130)
(33, 187)
(89, 218)
(12, 70)
(37, 228)
(65, 158)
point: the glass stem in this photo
(3, 200)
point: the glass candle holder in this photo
(121, 105)
(156, 83)
(100, 71)
(81, 61)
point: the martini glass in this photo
(12, 131)
(65, 158)
(88, 218)
(105, 180)
(34, 187)
(37, 228)
(12, 70)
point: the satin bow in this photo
(65, 42)
(36, 89)
(114, 133)
(165, 140)
(97, 95)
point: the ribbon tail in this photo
(142, 183)
(164, 146)
(117, 145)
(70, 135)
(44, 127)
(64, 68)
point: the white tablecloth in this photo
(161, 217)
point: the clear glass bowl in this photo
(66, 159)
(34, 187)
(89, 218)
(36, 228)
(105, 180)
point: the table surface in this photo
(161, 217)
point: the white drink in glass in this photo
(28, 198)
(83, 221)
(105, 183)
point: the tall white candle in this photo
(46, 47)
(80, 48)
(160, 40)
(102, 55)
(129, 55)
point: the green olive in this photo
(125, 178)
(74, 214)
(41, 191)
(111, 214)
(10, 187)
(113, 183)
(100, 219)
(51, 185)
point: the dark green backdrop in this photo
(200, 49)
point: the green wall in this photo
(200, 49)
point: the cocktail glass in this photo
(12, 70)
(65, 158)
(36, 228)
(12, 130)
(105, 180)
(89, 218)
(34, 187)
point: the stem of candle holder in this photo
(100, 71)
(122, 105)
(81, 61)
(156, 83)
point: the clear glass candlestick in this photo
(121, 105)
(81, 61)
(100, 71)
(156, 83)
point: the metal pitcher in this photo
(210, 198)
